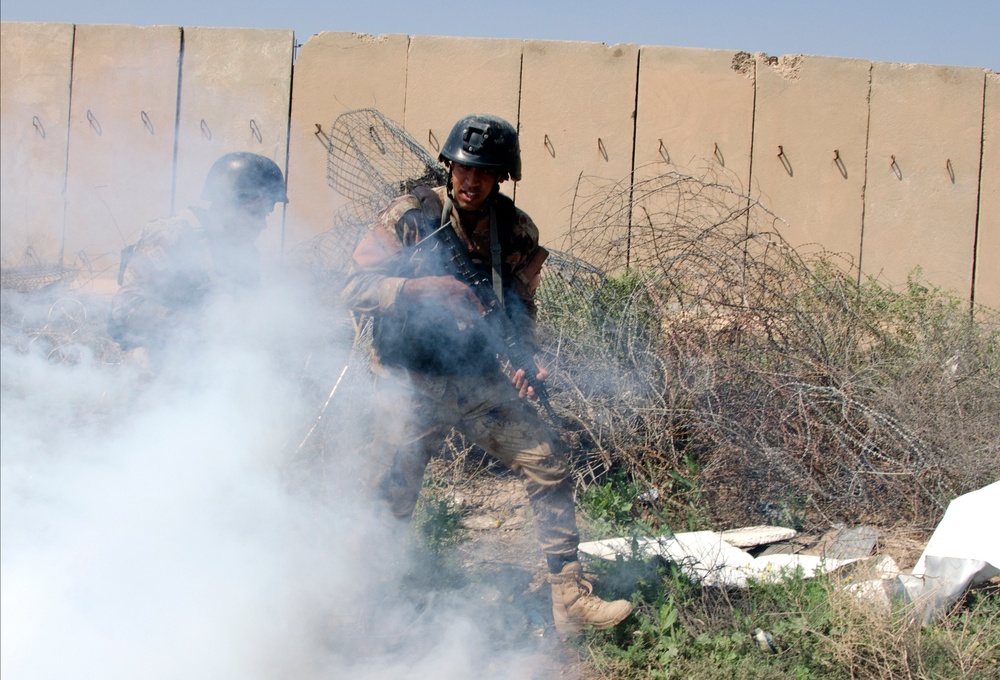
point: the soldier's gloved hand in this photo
(524, 389)
(448, 291)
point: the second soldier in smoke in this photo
(180, 263)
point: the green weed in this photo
(438, 522)
(817, 629)
(611, 505)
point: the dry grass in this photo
(794, 389)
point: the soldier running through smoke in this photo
(434, 351)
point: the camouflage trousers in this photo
(417, 412)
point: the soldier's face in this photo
(470, 187)
(247, 218)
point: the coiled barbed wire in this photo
(690, 345)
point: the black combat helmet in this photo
(484, 141)
(244, 176)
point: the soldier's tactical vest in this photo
(426, 337)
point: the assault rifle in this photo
(519, 356)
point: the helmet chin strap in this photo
(495, 254)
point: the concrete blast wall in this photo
(893, 166)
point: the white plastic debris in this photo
(964, 550)
(705, 557)
(877, 575)
(650, 496)
(765, 641)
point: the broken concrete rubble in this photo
(960, 554)
(750, 537)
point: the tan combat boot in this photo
(574, 606)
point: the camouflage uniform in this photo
(168, 275)
(448, 374)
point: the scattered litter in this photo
(809, 565)
(536, 623)
(963, 551)
(650, 496)
(791, 546)
(765, 641)
(855, 542)
(872, 580)
(480, 522)
(751, 537)
(704, 556)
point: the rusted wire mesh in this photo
(372, 160)
(785, 385)
(326, 257)
(28, 278)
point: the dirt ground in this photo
(507, 572)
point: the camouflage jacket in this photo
(167, 276)
(424, 339)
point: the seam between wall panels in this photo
(288, 144)
(749, 191)
(520, 90)
(864, 178)
(69, 133)
(177, 121)
(406, 80)
(979, 201)
(631, 181)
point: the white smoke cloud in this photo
(149, 529)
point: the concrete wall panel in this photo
(489, 72)
(694, 116)
(923, 173)
(577, 106)
(35, 67)
(988, 245)
(121, 150)
(813, 111)
(235, 95)
(334, 74)
(928, 182)
(695, 111)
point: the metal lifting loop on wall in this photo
(39, 128)
(82, 258)
(205, 131)
(839, 162)
(784, 160)
(433, 140)
(951, 170)
(664, 154)
(94, 123)
(256, 131)
(717, 152)
(548, 145)
(322, 136)
(894, 166)
(146, 121)
(600, 147)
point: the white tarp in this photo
(964, 550)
